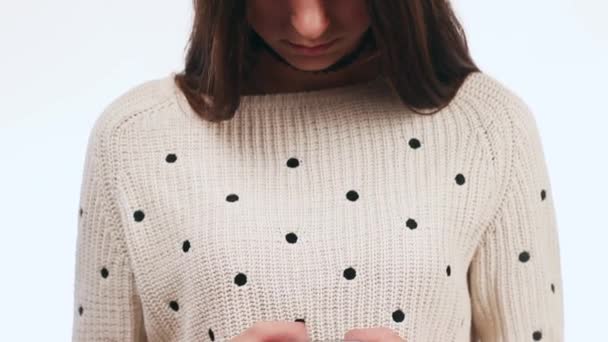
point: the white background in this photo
(62, 61)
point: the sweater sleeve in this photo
(515, 273)
(106, 302)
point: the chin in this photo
(309, 65)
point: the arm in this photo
(106, 305)
(515, 275)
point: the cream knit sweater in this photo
(338, 207)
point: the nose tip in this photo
(310, 21)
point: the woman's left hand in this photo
(376, 334)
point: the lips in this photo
(311, 51)
(312, 47)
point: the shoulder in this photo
(498, 105)
(508, 124)
(504, 114)
(144, 97)
(142, 100)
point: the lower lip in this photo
(315, 51)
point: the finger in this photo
(376, 334)
(276, 331)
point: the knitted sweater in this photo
(338, 207)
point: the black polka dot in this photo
(211, 335)
(104, 272)
(240, 279)
(552, 288)
(80, 310)
(350, 273)
(411, 223)
(459, 179)
(524, 256)
(543, 194)
(414, 143)
(448, 270)
(138, 215)
(173, 304)
(186, 246)
(291, 238)
(300, 320)
(537, 335)
(232, 198)
(171, 158)
(293, 162)
(398, 316)
(352, 195)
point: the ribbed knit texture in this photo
(339, 207)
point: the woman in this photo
(378, 187)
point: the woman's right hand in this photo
(274, 331)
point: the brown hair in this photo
(423, 52)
